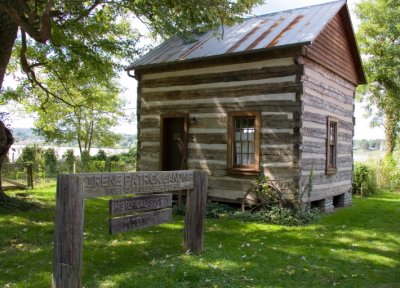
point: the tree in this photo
(68, 161)
(379, 39)
(50, 162)
(95, 112)
(6, 140)
(90, 30)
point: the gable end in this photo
(336, 49)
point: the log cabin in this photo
(272, 95)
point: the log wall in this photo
(209, 93)
(325, 94)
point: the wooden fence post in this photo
(68, 234)
(29, 175)
(195, 214)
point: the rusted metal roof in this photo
(292, 27)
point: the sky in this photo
(362, 130)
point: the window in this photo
(331, 146)
(244, 142)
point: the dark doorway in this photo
(174, 142)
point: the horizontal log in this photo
(328, 179)
(322, 133)
(269, 107)
(327, 93)
(217, 104)
(149, 149)
(223, 92)
(220, 85)
(329, 79)
(281, 173)
(279, 138)
(212, 77)
(208, 139)
(318, 194)
(276, 57)
(146, 166)
(207, 154)
(320, 80)
(322, 111)
(343, 127)
(321, 104)
(323, 118)
(320, 163)
(276, 149)
(271, 158)
(310, 65)
(218, 194)
(320, 148)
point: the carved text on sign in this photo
(110, 184)
(135, 222)
(140, 203)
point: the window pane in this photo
(244, 141)
(251, 148)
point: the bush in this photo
(387, 173)
(274, 215)
(364, 181)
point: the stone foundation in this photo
(343, 200)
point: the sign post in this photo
(72, 189)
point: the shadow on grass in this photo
(355, 247)
(18, 204)
(239, 254)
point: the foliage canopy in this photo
(379, 39)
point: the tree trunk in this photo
(3, 196)
(8, 34)
(6, 140)
(390, 132)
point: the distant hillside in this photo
(27, 136)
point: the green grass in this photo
(354, 247)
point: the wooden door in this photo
(174, 142)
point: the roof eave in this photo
(207, 58)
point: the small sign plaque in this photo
(140, 203)
(143, 220)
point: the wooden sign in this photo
(143, 220)
(111, 184)
(140, 203)
(71, 193)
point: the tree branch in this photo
(90, 9)
(17, 12)
(32, 76)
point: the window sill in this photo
(242, 171)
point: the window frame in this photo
(243, 169)
(331, 169)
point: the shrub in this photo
(274, 215)
(387, 173)
(50, 162)
(364, 181)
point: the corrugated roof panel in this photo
(284, 28)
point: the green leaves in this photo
(379, 39)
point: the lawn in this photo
(354, 247)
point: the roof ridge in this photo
(294, 9)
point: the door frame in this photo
(163, 117)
